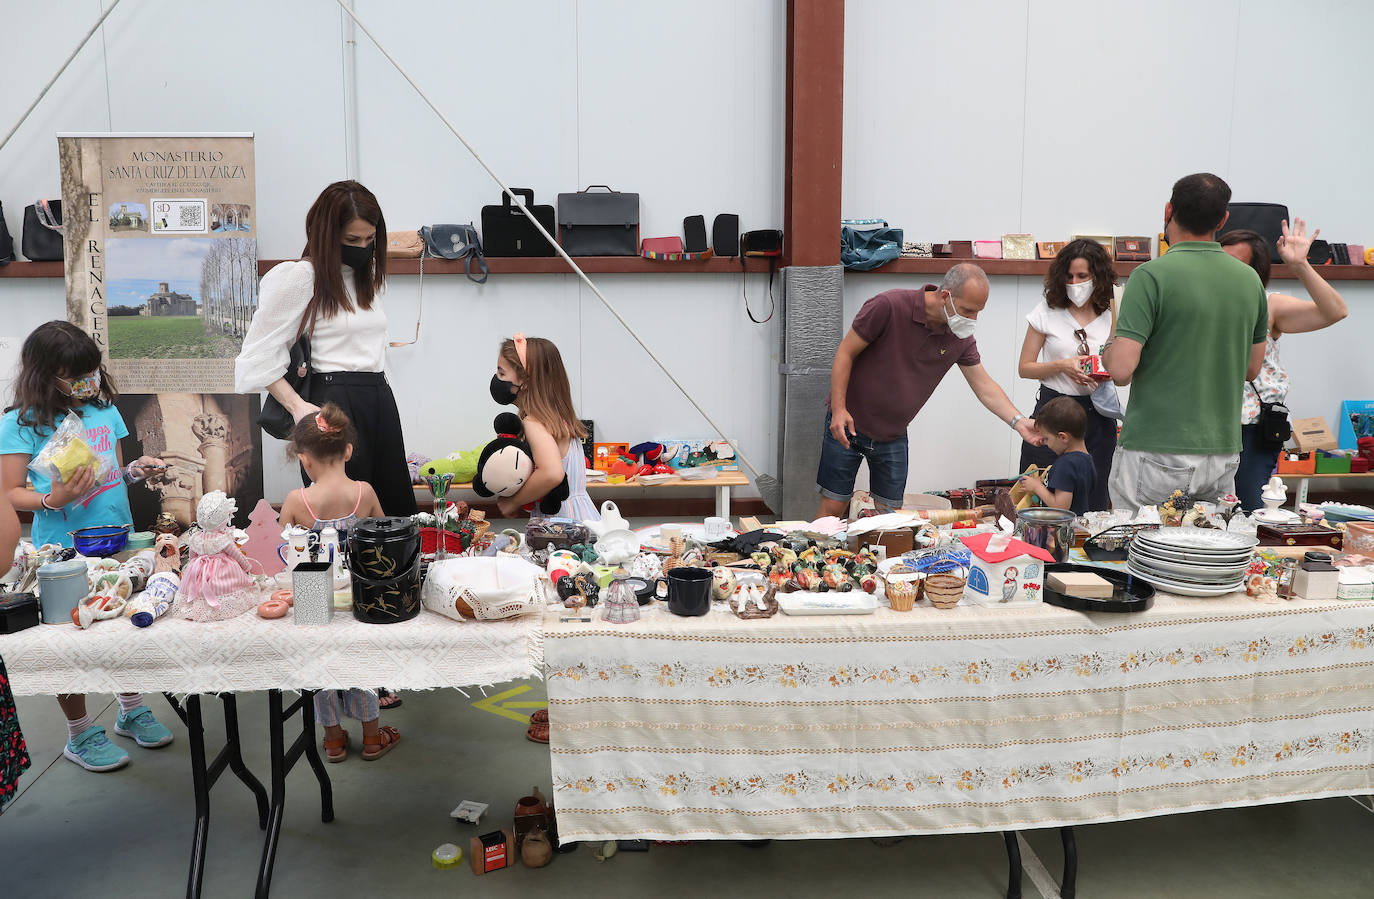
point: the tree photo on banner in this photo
(161, 265)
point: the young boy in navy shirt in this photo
(1070, 483)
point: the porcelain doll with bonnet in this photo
(216, 583)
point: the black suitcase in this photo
(1263, 218)
(506, 231)
(599, 224)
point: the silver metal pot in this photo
(1049, 529)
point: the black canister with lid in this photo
(384, 560)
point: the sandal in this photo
(540, 717)
(336, 750)
(538, 733)
(387, 737)
(387, 700)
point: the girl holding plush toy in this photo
(530, 376)
(60, 371)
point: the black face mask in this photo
(357, 258)
(503, 391)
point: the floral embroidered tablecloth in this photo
(250, 653)
(952, 721)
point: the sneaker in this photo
(143, 727)
(92, 750)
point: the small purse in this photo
(404, 245)
(1018, 246)
(1272, 424)
(42, 240)
(1048, 249)
(274, 419)
(456, 242)
(767, 242)
(987, 249)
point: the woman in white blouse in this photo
(1068, 325)
(334, 294)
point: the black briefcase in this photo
(42, 240)
(506, 231)
(1265, 219)
(593, 223)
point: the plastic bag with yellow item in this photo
(68, 450)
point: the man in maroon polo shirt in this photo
(900, 346)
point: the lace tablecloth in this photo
(250, 653)
(970, 719)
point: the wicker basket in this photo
(902, 595)
(944, 590)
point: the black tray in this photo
(1131, 595)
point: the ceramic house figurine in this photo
(1004, 569)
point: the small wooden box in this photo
(1079, 583)
(1048, 249)
(1132, 249)
(1298, 535)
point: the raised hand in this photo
(1295, 242)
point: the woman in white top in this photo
(1287, 315)
(334, 294)
(1068, 325)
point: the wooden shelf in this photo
(635, 265)
(1038, 268)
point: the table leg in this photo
(723, 502)
(234, 747)
(312, 755)
(1069, 886)
(283, 760)
(274, 817)
(200, 786)
(1013, 865)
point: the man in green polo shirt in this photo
(1191, 333)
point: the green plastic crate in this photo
(1329, 464)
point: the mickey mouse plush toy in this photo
(506, 464)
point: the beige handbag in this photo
(404, 245)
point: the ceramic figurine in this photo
(1274, 493)
(166, 523)
(167, 551)
(722, 582)
(216, 583)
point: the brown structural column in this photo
(815, 131)
(812, 308)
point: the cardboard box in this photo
(1079, 583)
(1313, 434)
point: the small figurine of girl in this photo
(215, 584)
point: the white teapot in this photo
(298, 546)
(611, 520)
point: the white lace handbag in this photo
(487, 588)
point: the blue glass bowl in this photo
(100, 542)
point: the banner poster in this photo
(161, 267)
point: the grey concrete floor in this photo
(128, 833)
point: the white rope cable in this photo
(44, 92)
(552, 242)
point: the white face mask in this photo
(960, 326)
(1079, 293)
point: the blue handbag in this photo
(866, 244)
(456, 242)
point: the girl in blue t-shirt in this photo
(60, 371)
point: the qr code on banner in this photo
(179, 217)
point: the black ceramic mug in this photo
(689, 590)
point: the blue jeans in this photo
(1256, 465)
(887, 467)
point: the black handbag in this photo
(1272, 426)
(274, 417)
(599, 224)
(6, 242)
(456, 242)
(42, 240)
(767, 242)
(506, 231)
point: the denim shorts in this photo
(887, 467)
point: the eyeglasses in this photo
(1082, 336)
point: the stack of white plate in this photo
(1191, 561)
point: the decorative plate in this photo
(1182, 589)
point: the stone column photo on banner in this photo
(209, 442)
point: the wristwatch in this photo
(1014, 419)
